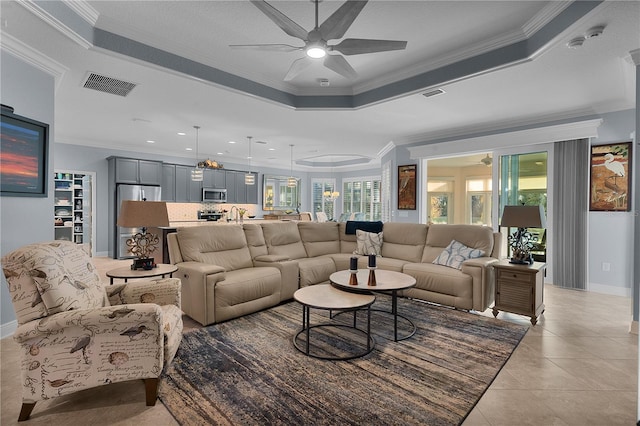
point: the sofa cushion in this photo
(456, 253)
(348, 242)
(284, 238)
(320, 238)
(368, 243)
(440, 279)
(315, 270)
(255, 240)
(245, 291)
(222, 245)
(405, 241)
(439, 237)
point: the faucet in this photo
(231, 211)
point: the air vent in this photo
(106, 84)
(431, 93)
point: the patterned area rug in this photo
(247, 372)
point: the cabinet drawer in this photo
(514, 275)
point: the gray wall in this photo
(25, 220)
(611, 233)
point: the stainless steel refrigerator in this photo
(135, 193)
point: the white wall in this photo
(25, 220)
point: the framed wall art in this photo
(407, 187)
(610, 186)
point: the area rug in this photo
(247, 371)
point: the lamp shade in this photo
(523, 217)
(134, 214)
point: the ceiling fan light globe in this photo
(316, 52)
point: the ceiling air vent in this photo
(431, 93)
(108, 84)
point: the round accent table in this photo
(386, 282)
(326, 297)
(126, 273)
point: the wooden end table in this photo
(126, 273)
(519, 289)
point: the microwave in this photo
(214, 195)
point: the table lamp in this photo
(143, 214)
(522, 217)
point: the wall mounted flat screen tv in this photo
(24, 149)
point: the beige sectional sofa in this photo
(231, 270)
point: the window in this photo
(361, 197)
(320, 203)
(440, 200)
(479, 201)
(385, 193)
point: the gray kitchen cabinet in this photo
(137, 172)
(149, 172)
(187, 191)
(215, 178)
(252, 190)
(168, 182)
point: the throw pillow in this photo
(368, 243)
(456, 253)
(66, 278)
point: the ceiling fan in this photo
(316, 46)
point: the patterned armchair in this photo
(76, 334)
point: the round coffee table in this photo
(386, 282)
(326, 297)
(126, 273)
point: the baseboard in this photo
(609, 289)
(8, 329)
(633, 327)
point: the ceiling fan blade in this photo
(357, 46)
(340, 65)
(337, 24)
(267, 47)
(297, 67)
(281, 20)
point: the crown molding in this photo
(386, 149)
(634, 58)
(542, 18)
(45, 16)
(33, 57)
(83, 10)
(508, 139)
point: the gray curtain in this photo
(570, 211)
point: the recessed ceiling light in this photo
(181, 133)
(232, 141)
(219, 153)
(150, 141)
(272, 149)
(189, 149)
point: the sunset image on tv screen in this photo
(20, 156)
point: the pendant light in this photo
(291, 181)
(249, 178)
(197, 174)
(331, 196)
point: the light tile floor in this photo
(577, 366)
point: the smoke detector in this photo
(594, 32)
